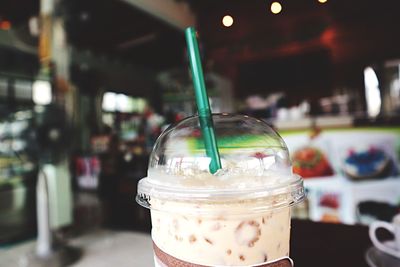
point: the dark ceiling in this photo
(308, 47)
(334, 40)
(350, 30)
(116, 28)
(110, 28)
(18, 11)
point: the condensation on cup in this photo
(239, 216)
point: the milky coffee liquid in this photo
(220, 238)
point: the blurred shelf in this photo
(321, 122)
(340, 121)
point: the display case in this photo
(18, 172)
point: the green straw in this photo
(203, 106)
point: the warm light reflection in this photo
(5, 25)
(322, 1)
(276, 7)
(227, 21)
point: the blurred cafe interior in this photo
(87, 86)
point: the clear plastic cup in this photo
(239, 216)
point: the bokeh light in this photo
(276, 7)
(227, 21)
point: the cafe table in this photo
(312, 245)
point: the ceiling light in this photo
(276, 7)
(227, 21)
(322, 1)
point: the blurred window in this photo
(372, 92)
(119, 102)
(41, 92)
(23, 89)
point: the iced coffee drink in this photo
(239, 216)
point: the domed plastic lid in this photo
(255, 165)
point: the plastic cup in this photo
(239, 216)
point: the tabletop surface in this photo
(328, 245)
(312, 245)
(101, 248)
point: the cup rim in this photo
(281, 195)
